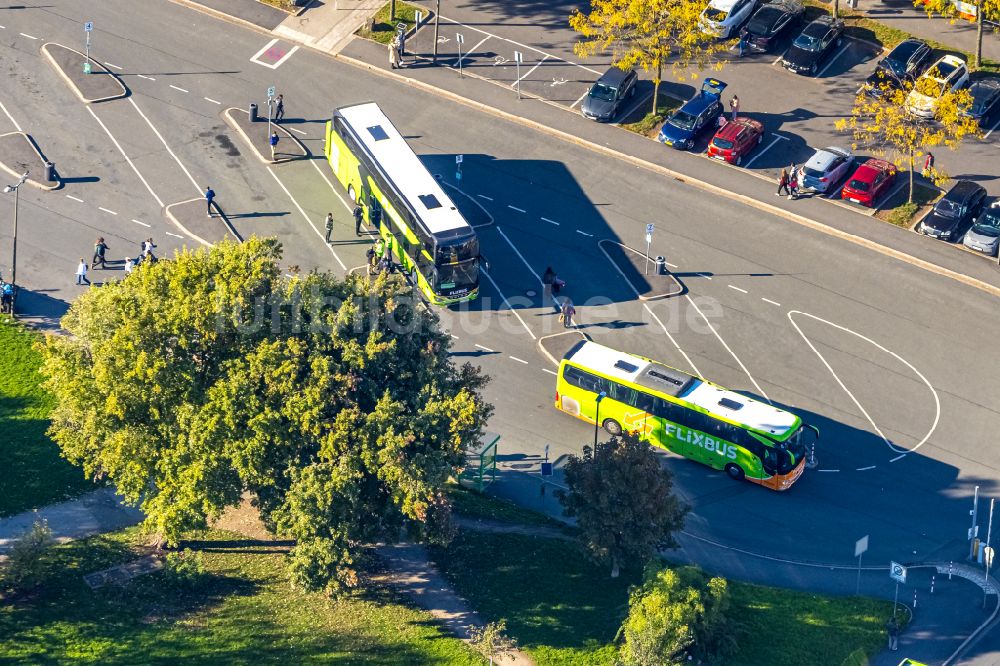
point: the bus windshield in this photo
(461, 249)
(790, 452)
(453, 278)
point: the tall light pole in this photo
(597, 417)
(13, 262)
(437, 26)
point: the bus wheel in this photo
(612, 427)
(351, 194)
(735, 472)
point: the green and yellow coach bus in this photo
(684, 414)
(422, 227)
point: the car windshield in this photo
(724, 144)
(454, 277)
(944, 70)
(894, 67)
(988, 225)
(716, 15)
(763, 21)
(601, 91)
(982, 96)
(683, 119)
(807, 42)
(948, 208)
(859, 185)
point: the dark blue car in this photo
(699, 112)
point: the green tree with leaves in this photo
(26, 557)
(647, 34)
(677, 614)
(492, 642)
(623, 502)
(331, 401)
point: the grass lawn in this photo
(474, 504)
(903, 214)
(649, 125)
(243, 613)
(34, 474)
(563, 609)
(386, 28)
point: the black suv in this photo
(954, 211)
(605, 98)
(903, 64)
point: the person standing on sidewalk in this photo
(783, 183)
(359, 218)
(892, 629)
(742, 44)
(209, 199)
(274, 143)
(394, 53)
(329, 226)
(567, 313)
(81, 272)
(734, 105)
(279, 109)
(793, 182)
(928, 171)
(99, 248)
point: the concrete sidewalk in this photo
(327, 26)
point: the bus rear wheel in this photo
(612, 427)
(735, 472)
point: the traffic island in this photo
(555, 346)
(255, 134)
(20, 153)
(191, 217)
(640, 272)
(99, 85)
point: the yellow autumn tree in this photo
(985, 9)
(886, 126)
(646, 34)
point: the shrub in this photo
(901, 215)
(23, 569)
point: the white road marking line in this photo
(112, 65)
(181, 89)
(704, 275)
(865, 469)
(937, 401)
(164, 142)
(768, 300)
(841, 52)
(470, 51)
(897, 458)
(209, 99)
(70, 196)
(731, 352)
(297, 131)
(579, 100)
(777, 138)
(3, 27)
(828, 470)
(519, 210)
(453, 335)
(482, 347)
(308, 219)
(24, 34)
(545, 219)
(16, 126)
(514, 358)
(271, 43)
(348, 206)
(995, 125)
(285, 57)
(127, 158)
(142, 223)
(279, 62)
(544, 58)
(143, 76)
(109, 212)
(518, 252)
(174, 235)
(483, 196)
(674, 342)
(507, 303)
(551, 372)
(289, 275)
(583, 233)
(744, 291)
(672, 265)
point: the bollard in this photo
(950, 566)
(661, 266)
(932, 583)
(253, 112)
(50, 172)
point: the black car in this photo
(903, 64)
(985, 100)
(768, 22)
(604, 100)
(813, 45)
(954, 211)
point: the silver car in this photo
(825, 168)
(984, 236)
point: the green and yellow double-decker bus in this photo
(684, 414)
(422, 227)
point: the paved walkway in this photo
(328, 26)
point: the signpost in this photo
(88, 28)
(649, 239)
(860, 546)
(974, 530)
(518, 59)
(460, 38)
(897, 572)
(458, 168)
(270, 99)
(988, 554)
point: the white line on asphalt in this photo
(483, 196)
(314, 227)
(545, 219)
(671, 338)
(112, 65)
(731, 352)
(937, 401)
(995, 125)
(514, 358)
(828, 470)
(143, 76)
(453, 335)
(551, 372)
(209, 99)
(672, 265)
(579, 100)
(544, 58)
(519, 210)
(744, 291)
(507, 303)
(70, 196)
(174, 235)
(271, 43)
(469, 52)
(897, 458)
(24, 34)
(3, 27)
(127, 158)
(289, 276)
(704, 275)
(333, 189)
(518, 252)
(583, 233)
(833, 60)
(109, 212)
(483, 348)
(750, 161)
(865, 469)
(142, 223)
(164, 142)
(635, 105)
(777, 60)
(16, 126)
(181, 89)
(297, 131)
(285, 57)
(768, 300)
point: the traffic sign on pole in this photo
(861, 546)
(518, 59)
(897, 572)
(460, 38)
(270, 91)
(88, 27)
(458, 167)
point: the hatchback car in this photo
(736, 139)
(813, 45)
(722, 18)
(984, 236)
(826, 167)
(767, 23)
(985, 101)
(697, 114)
(606, 96)
(954, 210)
(869, 182)
(903, 64)
(948, 74)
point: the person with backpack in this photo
(567, 312)
(99, 248)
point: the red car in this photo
(735, 139)
(871, 180)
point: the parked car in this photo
(813, 45)
(723, 18)
(903, 65)
(606, 96)
(984, 236)
(698, 113)
(948, 74)
(869, 182)
(736, 139)
(767, 23)
(954, 210)
(985, 100)
(826, 167)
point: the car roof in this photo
(731, 129)
(698, 103)
(614, 76)
(819, 25)
(905, 49)
(980, 84)
(962, 190)
(871, 167)
(724, 5)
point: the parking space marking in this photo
(125, 155)
(674, 342)
(112, 66)
(579, 100)
(209, 99)
(143, 76)
(14, 122)
(551, 372)
(539, 64)
(768, 300)
(307, 218)
(995, 125)
(744, 291)
(174, 235)
(109, 212)
(507, 303)
(777, 138)
(142, 223)
(470, 52)
(164, 142)
(545, 219)
(843, 49)
(519, 210)
(70, 196)
(728, 348)
(483, 348)
(635, 105)
(23, 34)
(514, 358)
(176, 88)
(518, 252)
(297, 131)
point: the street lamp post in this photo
(437, 26)
(13, 261)
(597, 417)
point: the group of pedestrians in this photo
(380, 258)
(397, 49)
(789, 181)
(359, 219)
(99, 260)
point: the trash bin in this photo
(661, 266)
(253, 112)
(50, 172)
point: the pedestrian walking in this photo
(401, 35)
(379, 248)
(329, 226)
(147, 250)
(734, 105)
(567, 313)
(81, 272)
(274, 143)
(394, 53)
(359, 218)
(793, 182)
(99, 248)
(210, 199)
(279, 108)
(372, 260)
(129, 266)
(783, 183)
(928, 171)
(892, 629)
(742, 44)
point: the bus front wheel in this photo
(612, 427)
(352, 194)
(735, 472)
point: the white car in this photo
(948, 74)
(722, 18)
(826, 168)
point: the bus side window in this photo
(644, 401)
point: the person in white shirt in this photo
(81, 272)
